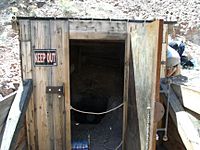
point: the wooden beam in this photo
(40, 39)
(74, 35)
(97, 26)
(126, 85)
(66, 72)
(156, 87)
(186, 128)
(189, 97)
(16, 115)
(5, 105)
(164, 51)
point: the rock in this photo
(2, 71)
(4, 91)
(40, 4)
(14, 10)
(22, 6)
(12, 2)
(16, 85)
(1, 97)
(31, 8)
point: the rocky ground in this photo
(9, 58)
(185, 12)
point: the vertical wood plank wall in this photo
(46, 114)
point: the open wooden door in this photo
(143, 85)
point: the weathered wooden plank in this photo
(41, 40)
(21, 142)
(16, 115)
(25, 50)
(26, 59)
(126, 85)
(132, 128)
(24, 34)
(30, 125)
(57, 32)
(5, 105)
(165, 34)
(97, 36)
(26, 53)
(66, 54)
(186, 128)
(146, 63)
(163, 61)
(164, 52)
(156, 84)
(190, 98)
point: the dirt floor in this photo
(103, 136)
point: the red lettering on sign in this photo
(49, 57)
(54, 57)
(44, 56)
(36, 58)
(40, 57)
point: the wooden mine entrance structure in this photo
(45, 55)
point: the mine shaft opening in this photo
(97, 82)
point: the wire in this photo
(120, 144)
(94, 113)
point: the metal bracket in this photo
(55, 90)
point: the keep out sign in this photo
(44, 57)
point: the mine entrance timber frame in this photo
(79, 29)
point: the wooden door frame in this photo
(124, 38)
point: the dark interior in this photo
(97, 78)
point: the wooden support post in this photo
(67, 85)
(156, 97)
(126, 83)
(5, 105)
(16, 115)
